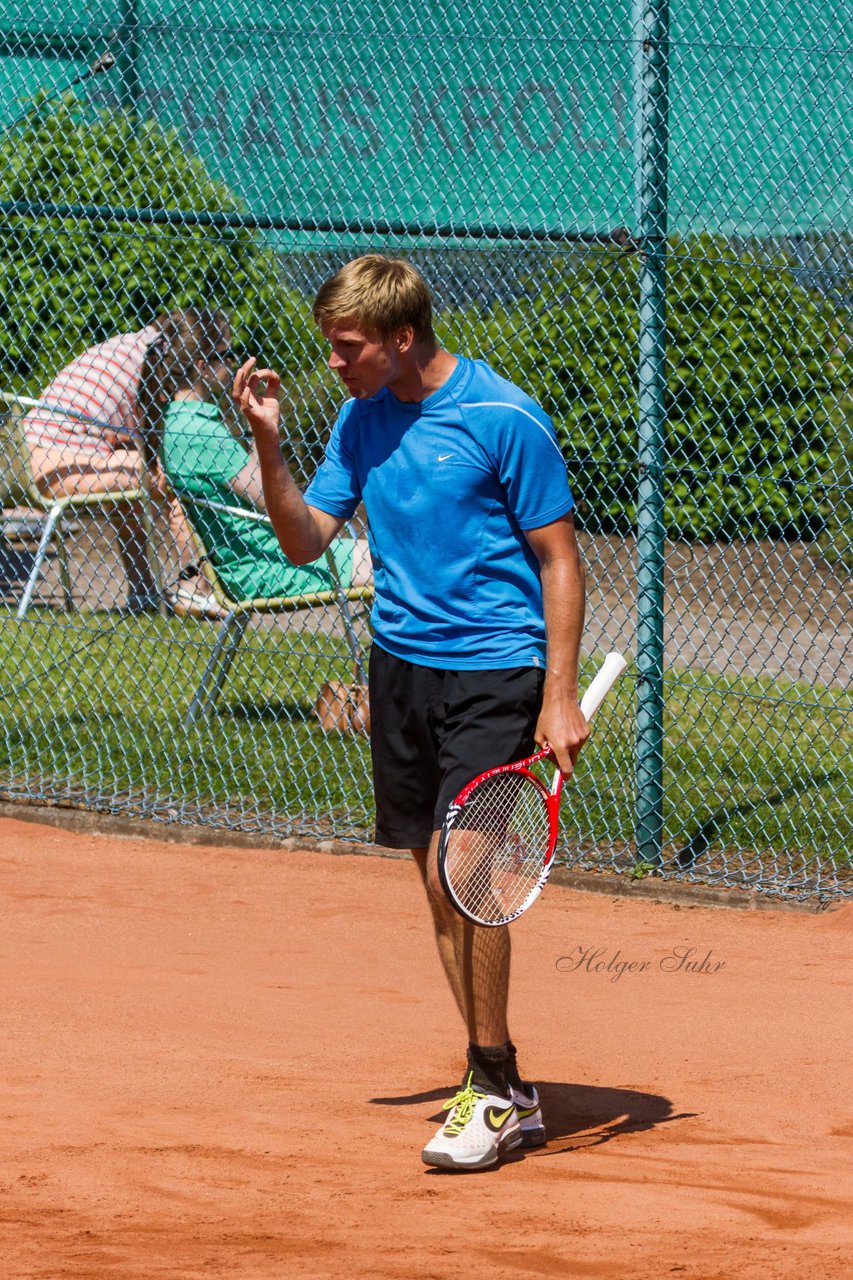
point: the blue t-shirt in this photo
(449, 485)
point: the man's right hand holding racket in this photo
(562, 727)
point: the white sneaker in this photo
(480, 1128)
(529, 1116)
(186, 603)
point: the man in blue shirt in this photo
(477, 622)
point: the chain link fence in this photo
(642, 213)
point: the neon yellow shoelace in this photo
(464, 1103)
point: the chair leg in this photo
(346, 614)
(44, 541)
(150, 553)
(64, 575)
(230, 635)
(352, 639)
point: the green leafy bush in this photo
(758, 383)
(756, 387)
(68, 282)
(836, 541)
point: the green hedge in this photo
(65, 284)
(758, 397)
(758, 387)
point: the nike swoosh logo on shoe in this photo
(496, 1119)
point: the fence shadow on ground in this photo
(699, 844)
(259, 712)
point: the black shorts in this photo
(434, 730)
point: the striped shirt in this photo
(98, 389)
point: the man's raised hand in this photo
(255, 393)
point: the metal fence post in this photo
(129, 55)
(653, 93)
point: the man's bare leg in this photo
(445, 937)
(475, 960)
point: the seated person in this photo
(83, 439)
(202, 459)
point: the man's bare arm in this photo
(561, 724)
(303, 532)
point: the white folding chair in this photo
(19, 490)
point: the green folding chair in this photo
(239, 612)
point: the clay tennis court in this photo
(224, 1062)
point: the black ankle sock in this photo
(487, 1064)
(511, 1070)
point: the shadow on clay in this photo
(589, 1115)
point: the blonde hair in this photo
(380, 295)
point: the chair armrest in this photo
(242, 512)
(27, 402)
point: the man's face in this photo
(365, 364)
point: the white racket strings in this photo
(498, 845)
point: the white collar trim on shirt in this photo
(502, 404)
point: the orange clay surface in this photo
(221, 1062)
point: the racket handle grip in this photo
(603, 681)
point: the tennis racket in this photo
(498, 840)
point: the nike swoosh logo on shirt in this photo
(442, 457)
